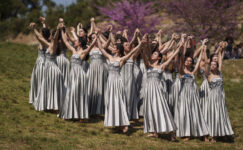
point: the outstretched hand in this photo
(72, 29)
(42, 19)
(32, 25)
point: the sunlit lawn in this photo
(21, 127)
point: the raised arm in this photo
(134, 38)
(220, 61)
(86, 51)
(72, 30)
(198, 62)
(125, 58)
(107, 55)
(64, 38)
(55, 39)
(165, 64)
(124, 34)
(39, 37)
(92, 28)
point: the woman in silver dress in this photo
(189, 118)
(75, 105)
(157, 116)
(217, 117)
(115, 103)
(62, 60)
(52, 90)
(129, 73)
(37, 73)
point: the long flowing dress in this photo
(141, 94)
(217, 117)
(204, 90)
(157, 116)
(37, 75)
(75, 105)
(97, 74)
(167, 75)
(64, 65)
(175, 89)
(115, 102)
(190, 120)
(131, 91)
(52, 92)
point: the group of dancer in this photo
(123, 80)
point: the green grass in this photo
(21, 127)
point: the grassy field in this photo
(21, 127)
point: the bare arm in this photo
(41, 39)
(134, 37)
(220, 61)
(197, 64)
(64, 38)
(125, 34)
(107, 55)
(165, 64)
(125, 58)
(86, 51)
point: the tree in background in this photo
(214, 19)
(131, 15)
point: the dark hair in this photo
(46, 33)
(154, 46)
(90, 37)
(119, 36)
(211, 56)
(120, 47)
(106, 34)
(83, 41)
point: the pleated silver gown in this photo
(204, 90)
(75, 105)
(175, 89)
(189, 118)
(97, 74)
(115, 102)
(157, 116)
(217, 117)
(64, 65)
(143, 82)
(52, 92)
(37, 75)
(167, 75)
(131, 91)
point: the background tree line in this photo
(215, 19)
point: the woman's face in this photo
(126, 47)
(213, 66)
(116, 50)
(188, 62)
(155, 56)
(82, 33)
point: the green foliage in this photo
(21, 127)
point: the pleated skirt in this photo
(189, 118)
(217, 117)
(36, 78)
(64, 65)
(175, 89)
(52, 92)
(115, 102)
(97, 74)
(157, 116)
(75, 105)
(143, 82)
(203, 93)
(169, 81)
(131, 91)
